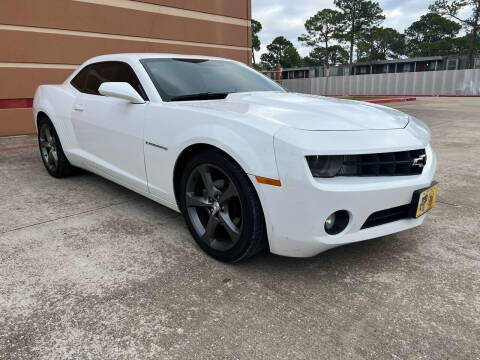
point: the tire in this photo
(225, 218)
(51, 151)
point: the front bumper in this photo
(296, 212)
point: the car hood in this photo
(308, 112)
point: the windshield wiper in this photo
(201, 96)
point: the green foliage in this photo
(318, 56)
(380, 44)
(432, 35)
(357, 23)
(462, 44)
(321, 29)
(281, 51)
(256, 28)
(452, 8)
(359, 17)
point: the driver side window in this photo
(112, 71)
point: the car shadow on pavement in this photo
(365, 258)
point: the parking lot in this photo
(90, 270)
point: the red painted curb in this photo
(19, 147)
(16, 103)
(380, 101)
(400, 95)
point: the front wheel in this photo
(51, 150)
(221, 208)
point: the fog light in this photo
(337, 222)
(330, 222)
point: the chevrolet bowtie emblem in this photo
(419, 161)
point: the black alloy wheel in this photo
(51, 150)
(48, 147)
(221, 208)
(214, 207)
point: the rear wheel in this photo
(221, 208)
(51, 150)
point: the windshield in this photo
(197, 79)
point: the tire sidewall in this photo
(248, 200)
(64, 166)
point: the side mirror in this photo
(121, 90)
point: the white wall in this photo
(449, 82)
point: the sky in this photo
(287, 17)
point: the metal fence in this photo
(449, 82)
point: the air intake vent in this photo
(387, 216)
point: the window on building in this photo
(431, 66)
(382, 69)
(452, 64)
(476, 63)
(111, 71)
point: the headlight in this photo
(325, 166)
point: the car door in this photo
(109, 131)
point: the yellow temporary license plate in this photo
(425, 200)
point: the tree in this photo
(256, 28)
(381, 44)
(432, 35)
(321, 29)
(358, 17)
(462, 44)
(452, 8)
(318, 56)
(281, 51)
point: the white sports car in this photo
(248, 164)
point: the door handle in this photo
(78, 107)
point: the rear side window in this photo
(112, 71)
(78, 81)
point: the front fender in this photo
(255, 155)
(175, 130)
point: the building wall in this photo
(43, 41)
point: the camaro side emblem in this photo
(420, 161)
(155, 145)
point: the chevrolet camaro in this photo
(249, 165)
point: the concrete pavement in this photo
(90, 270)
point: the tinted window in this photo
(182, 77)
(78, 81)
(111, 72)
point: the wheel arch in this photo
(190, 151)
(41, 115)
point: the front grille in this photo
(384, 164)
(387, 216)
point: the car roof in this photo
(140, 56)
